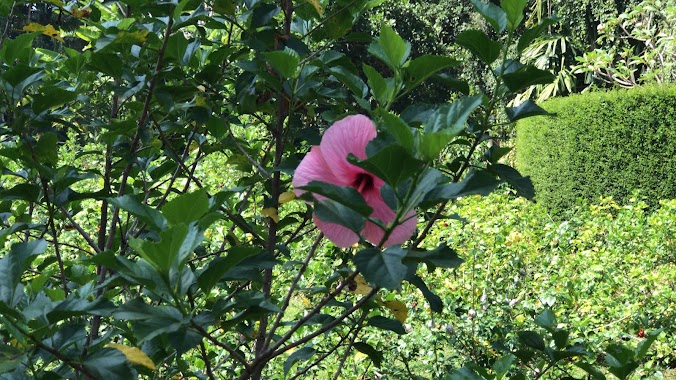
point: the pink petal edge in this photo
(348, 135)
(341, 236)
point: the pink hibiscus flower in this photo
(327, 162)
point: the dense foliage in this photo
(602, 144)
(148, 221)
(607, 274)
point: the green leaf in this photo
(224, 7)
(386, 324)
(21, 77)
(149, 215)
(47, 149)
(381, 89)
(10, 358)
(514, 10)
(395, 126)
(351, 80)
(546, 319)
(393, 164)
(476, 182)
(463, 374)
(421, 68)
(441, 257)
(644, 345)
(263, 13)
(221, 265)
(436, 304)
(51, 97)
(525, 109)
(502, 365)
(620, 360)
(331, 211)
(491, 13)
(186, 208)
(591, 370)
(561, 340)
(480, 45)
(454, 84)
(390, 48)
(13, 265)
(304, 353)
(109, 364)
(345, 195)
(530, 34)
(445, 123)
(24, 191)
(286, 62)
(382, 268)
(523, 185)
(525, 77)
(373, 354)
(19, 49)
(532, 339)
(175, 246)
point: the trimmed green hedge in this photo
(601, 144)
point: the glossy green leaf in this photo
(525, 109)
(145, 213)
(351, 80)
(331, 211)
(47, 149)
(463, 374)
(435, 302)
(480, 45)
(527, 76)
(530, 34)
(186, 208)
(381, 88)
(591, 370)
(109, 364)
(221, 265)
(373, 354)
(514, 10)
(523, 185)
(441, 257)
(304, 353)
(393, 164)
(644, 345)
(285, 62)
(546, 319)
(395, 126)
(382, 268)
(344, 195)
(476, 182)
(491, 13)
(18, 49)
(532, 339)
(175, 246)
(503, 365)
(386, 324)
(13, 265)
(444, 124)
(454, 84)
(423, 67)
(390, 48)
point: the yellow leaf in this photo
(137, 37)
(360, 286)
(399, 310)
(47, 30)
(286, 197)
(318, 7)
(134, 355)
(359, 356)
(80, 13)
(271, 213)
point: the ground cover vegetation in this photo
(150, 228)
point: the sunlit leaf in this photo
(398, 309)
(47, 30)
(134, 355)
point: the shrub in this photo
(602, 144)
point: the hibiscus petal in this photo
(349, 135)
(341, 236)
(313, 167)
(382, 211)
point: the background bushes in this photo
(602, 144)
